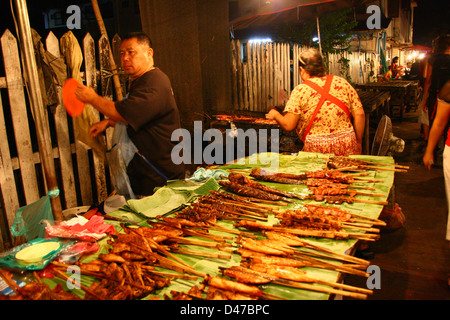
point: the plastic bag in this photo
(27, 221)
(73, 253)
(119, 156)
(9, 258)
(80, 228)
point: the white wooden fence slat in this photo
(249, 77)
(7, 181)
(256, 86)
(245, 84)
(19, 115)
(295, 67)
(90, 76)
(270, 72)
(234, 63)
(239, 74)
(81, 149)
(260, 74)
(263, 78)
(63, 137)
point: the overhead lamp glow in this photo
(259, 40)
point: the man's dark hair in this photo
(141, 37)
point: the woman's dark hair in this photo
(441, 43)
(395, 60)
(141, 37)
(311, 60)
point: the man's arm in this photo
(105, 106)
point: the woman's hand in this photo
(100, 127)
(272, 114)
(428, 159)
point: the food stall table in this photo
(398, 89)
(169, 200)
(373, 102)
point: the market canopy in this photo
(292, 10)
(416, 48)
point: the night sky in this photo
(431, 18)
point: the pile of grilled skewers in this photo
(330, 186)
(352, 164)
(144, 259)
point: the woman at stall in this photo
(325, 110)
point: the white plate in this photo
(37, 252)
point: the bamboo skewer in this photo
(158, 247)
(168, 274)
(99, 275)
(61, 274)
(328, 254)
(316, 263)
(385, 164)
(361, 187)
(246, 201)
(201, 254)
(245, 207)
(12, 284)
(385, 169)
(360, 193)
(343, 286)
(366, 180)
(205, 235)
(297, 242)
(384, 203)
(328, 234)
(321, 289)
(358, 293)
(354, 226)
(257, 217)
(200, 243)
(172, 265)
(232, 231)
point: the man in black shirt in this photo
(150, 112)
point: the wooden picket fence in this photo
(264, 74)
(84, 178)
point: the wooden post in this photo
(37, 106)
(116, 79)
(318, 34)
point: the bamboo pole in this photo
(37, 106)
(113, 66)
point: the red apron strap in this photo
(324, 95)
